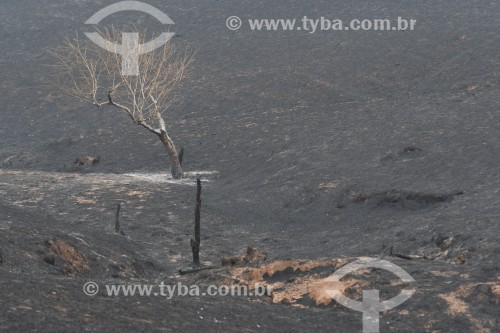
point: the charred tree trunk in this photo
(175, 162)
(118, 228)
(195, 243)
(117, 219)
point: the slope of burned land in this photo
(315, 148)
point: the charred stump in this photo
(118, 229)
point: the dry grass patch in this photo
(290, 291)
(84, 201)
(74, 260)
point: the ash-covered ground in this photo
(316, 148)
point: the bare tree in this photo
(88, 73)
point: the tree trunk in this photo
(175, 163)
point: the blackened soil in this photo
(310, 146)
